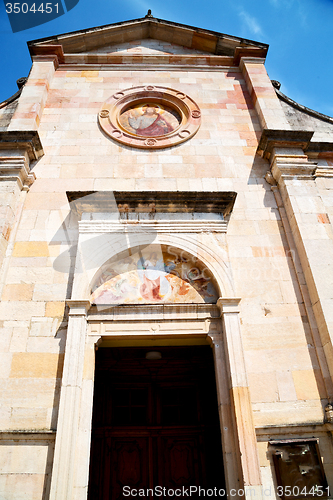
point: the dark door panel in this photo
(181, 462)
(129, 465)
(155, 422)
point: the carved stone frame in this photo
(218, 324)
(185, 106)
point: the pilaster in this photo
(305, 213)
(67, 442)
(230, 452)
(17, 151)
(32, 100)
(265, 100)
(245, 438)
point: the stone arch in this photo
(154, 274)
(212, 257)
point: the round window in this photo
(150, 117)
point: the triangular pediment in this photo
(133, 35)
(146, 46)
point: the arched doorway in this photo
(132, 319)
(155, 426)
(155, 421)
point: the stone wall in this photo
(286, 370)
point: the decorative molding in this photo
(156, 329)
(26, 140)
(182, 106)
(46, 58)
(78, 307)
(157, 226)
(147, 60)
(28, 435)
(16, 168)
(158, 320)
(286, 430)
(250, 54)
(142, 313)
(271, 139)
(228, 305)
(323, 172)
(211, 42)
(148, 67)
(321, 148)
(54, 50)
(150, 203)
(292, 170)
(288, 163)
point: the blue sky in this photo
(299, 33)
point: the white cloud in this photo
(282, 3)
(251, 23)
(292, 4)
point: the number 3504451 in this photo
(24, 8)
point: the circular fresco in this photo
(150, 120)
(150, 117)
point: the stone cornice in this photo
(48, 50)
(320, 147)
(27, 140)
(156, 226)
(127, 202)
(147, 60)
(324, 172)
(47, 58)
(147, 67)
(271, 139)
(77, 307)
(140, 313)
(228, 304)
(299, 428)
(211, 42)
(251, 53)
(16, 168)
(28, 435)
(282, 169)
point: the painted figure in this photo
(150, 124)
(152, 273)
(150, 276)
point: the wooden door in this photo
(155, 422)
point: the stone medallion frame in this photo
(120, 102)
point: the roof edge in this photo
(149, 19)
(20, 82)
(304, 109)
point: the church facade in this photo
(166, 272)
